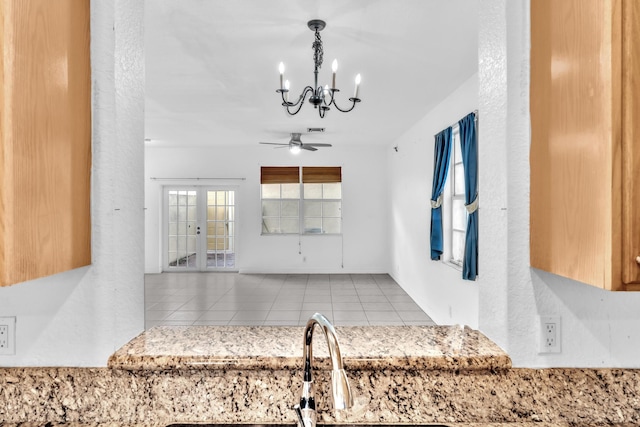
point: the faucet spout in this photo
(340, 389)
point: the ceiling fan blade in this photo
(273, 143)
(308, 147)
(318, 145)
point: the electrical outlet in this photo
(7, 336)
(550, 334)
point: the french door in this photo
(200, 229)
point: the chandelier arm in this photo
(320, 94)
(324, 96)
(354, 100)
(285, 101)
(299, 103)
(295, 112)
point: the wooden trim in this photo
(5, 154)
(279, 175)
(613, 250)
(630, 141)
(324, 174)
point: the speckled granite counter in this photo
(525, 424)
(237, 375)
(362, 348)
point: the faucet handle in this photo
(296, 408)
(306, 417)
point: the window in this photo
(456, 212)
(306, 200)
(280, 188)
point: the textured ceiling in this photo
(212, 66)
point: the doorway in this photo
(200, 229)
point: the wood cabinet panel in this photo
(45, 132)
(631, 142)
(584, 170)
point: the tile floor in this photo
(277, 299)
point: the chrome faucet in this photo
(340, 390)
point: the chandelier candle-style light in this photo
(321, 98)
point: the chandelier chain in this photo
(317, 50)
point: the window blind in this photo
(317, 174)
(279, 175)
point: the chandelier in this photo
(321, 97)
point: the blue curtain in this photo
(469, 150)
(442, 152)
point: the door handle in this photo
(198, 230)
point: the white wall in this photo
(599, 328)
(80, 317)
(437, 287)
(492, 175)
(363, 248)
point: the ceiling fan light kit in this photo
(321, 97)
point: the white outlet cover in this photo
(10, 323)
(544, 347)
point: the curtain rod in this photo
(194, 179)
(456, 123)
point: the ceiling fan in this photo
(295, 144)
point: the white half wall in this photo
(363, 247)
(80, 317)
(437, 287)
(598, 328)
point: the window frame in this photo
(449, 206)
(323, 201)
(280, 200)
(306, 175)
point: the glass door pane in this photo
(182, 229)
(220, 229)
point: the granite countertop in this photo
(235, 376)
(262, 347)
(516, 424)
